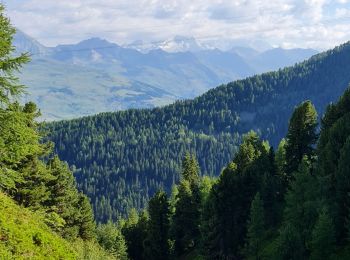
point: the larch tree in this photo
(323, 237)
(255, 229)
(185, 225)
(301, 136)
(157, 241)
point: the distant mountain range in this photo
(67, 79)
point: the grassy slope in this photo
(23, 235)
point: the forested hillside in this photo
(122, 158)
(291, 203)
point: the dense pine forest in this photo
(288, 203)
(120, 159)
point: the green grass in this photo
(23, 235)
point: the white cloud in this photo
(302, 23)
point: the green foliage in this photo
(226, 212)
(301, 136)
(185, 221)
(157, 242)
(323, 237)
(90, 250)
(302, 202)
(85, 218)
(8, 64)
(281, 157)
(135, 233)
(333, 152)
(190, 169)
(255, 228)
(23, 235)
(18, 140)
(112, 240)
(64, 200)
(289, 244)
(160, 170)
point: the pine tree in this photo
(333, 152)
(302, 202)
(112, 240)
(231, 197)
(342, 186)
(289, 244)
(17, 140)
(9, 87)
(135, 234)
(157, 242)
(30, 189)
(256, 228)
(64, 199)
(185, 225)
(85, 221)
(63, 194)
(323, 237)
(280, 158)
(301, 136)
(190, 168)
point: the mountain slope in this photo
(24, 235)
(24, 43)
(66, 79)
(66, 90)
(277, 58)
(122, 158)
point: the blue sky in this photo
(318, 24)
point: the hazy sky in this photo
(291, 23)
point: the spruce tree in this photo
(302, 202)
(30, 185)
(157, 241)
(280, 159)
(135, 234)
(17, 140)
(85, 221)
(185, 225)
(323, 237)
(255, 229)
(112, 240)
(342, 186)
(301, 136)
(9, 86)
(190, 168)
(333, 170)
(289, 244)
(231, 197)
(22, 174)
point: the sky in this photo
(318, 24)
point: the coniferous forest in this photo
(256, 169)
(121, 159)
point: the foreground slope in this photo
(24, 235)
(122, 158)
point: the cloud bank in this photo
(316, 24)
